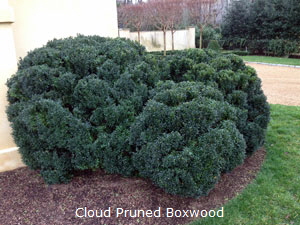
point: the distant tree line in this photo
(264, 26)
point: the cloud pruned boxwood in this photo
(185, 137)
(75, 99)
(89, 102)
(239, 84)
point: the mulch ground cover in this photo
(26, 199)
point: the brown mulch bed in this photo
(26, 199)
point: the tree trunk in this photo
(165, 42)
(139, 36)
(172, 31)
(201, 36)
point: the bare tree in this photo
(123, 19)
(164, 15)
(203, 13)
(174, 13)
(156, 15)
(133, 16)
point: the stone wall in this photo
(154, 41)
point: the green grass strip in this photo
(272, 60)
(274, 196)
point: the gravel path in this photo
(281, 85)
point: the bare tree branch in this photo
(203, 13)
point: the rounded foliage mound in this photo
(90, 102)
(186, 136)
(214, 45)
(72, 103)
(238, 83)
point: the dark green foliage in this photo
(72, 103)
(209, 33)
(275, 47)
(51, 139)
(229, 144)
(259, 46)
(185, 137)
(263, 26)
(236, 21)
(188, 171)
(90, 102)
(238, 83)
(177, 66)
(280, 47)
(214, 45)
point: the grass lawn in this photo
(275, 60)
(274, 197)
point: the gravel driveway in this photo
(281, 85)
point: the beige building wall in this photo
(8, 66)
(38, 21)
(29, 24)
(154, 41)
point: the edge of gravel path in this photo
(273, 64)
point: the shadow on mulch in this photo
(26, 199)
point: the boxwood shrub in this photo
(185, 137)
(89, 102)
(239, 84)
(74, 100)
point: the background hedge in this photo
(270, 27)
(90, 102)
